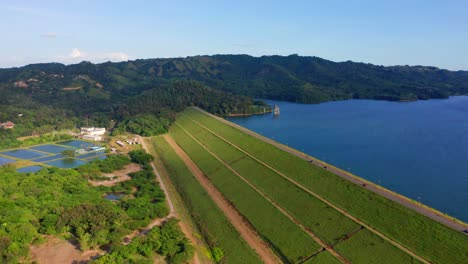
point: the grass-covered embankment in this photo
(216, 229)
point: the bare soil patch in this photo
(72, 88)
(59, 251)
(117, 176)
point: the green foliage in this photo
(217, 254)
(94, 169)
(61, 202)
(93, 224)
(115, 92)
(140, 156)
(166, 240)
(69, 153)
(31, 205)
(8, 138)
(144, 125)
(148, 202)
(215, 228)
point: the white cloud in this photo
(76, 56)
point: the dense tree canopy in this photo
(54, 96)
(61, 202)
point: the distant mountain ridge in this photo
(292, 78)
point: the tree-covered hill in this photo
(57, 95)
(293, 78)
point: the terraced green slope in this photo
(215, 227)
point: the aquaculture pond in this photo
(26, 154)
(5, 160)
(76, 143)
(51, 155)
(33, 168)
(51, 148)
(48, 158)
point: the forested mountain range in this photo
(53, 94)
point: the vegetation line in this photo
(265, 196)
(408, 251)
(313, 255)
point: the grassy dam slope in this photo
(213, 225)
(305, 213)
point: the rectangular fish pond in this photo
(51, 155)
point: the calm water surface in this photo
(419, 149)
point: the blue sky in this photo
(380, 32)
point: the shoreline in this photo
(407, 202)
(250, 114)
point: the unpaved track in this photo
(172, 211)
(358, 221)
(237, 220)
(398, 198)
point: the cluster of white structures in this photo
(132, 141)
(93, 133)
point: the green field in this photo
(428, 239)
(215, 227)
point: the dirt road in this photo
(172, 211)
(237, 220)
(422, 209)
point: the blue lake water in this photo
(418, 149)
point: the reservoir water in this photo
(418, 149)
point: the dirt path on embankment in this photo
(236, 219)
(400, 199)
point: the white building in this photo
(95, 131)
(93, 137)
